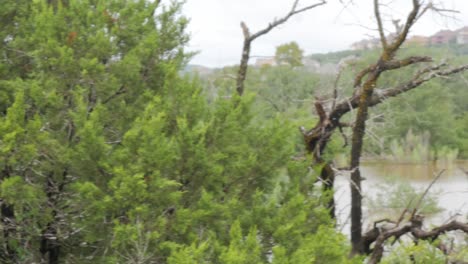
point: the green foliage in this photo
(393, 197)
(289, 54)
(462, 132)
(417, 149)
(423, 252)
(242, 250)
(193, 254)
(108, 155)
(323, 248)
(335, 57)
(437, 108)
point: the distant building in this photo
(366, 44)
(443, 37)
(418, 41)
(265, 61)
(462, 36)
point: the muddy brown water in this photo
(452, 189)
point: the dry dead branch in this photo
(364, 97)
(414, 227)
(249, 38)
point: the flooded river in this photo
(451, 189)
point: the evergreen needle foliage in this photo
(108, 155)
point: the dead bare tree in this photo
(413, 227)
(316, 139)
(386, 62)
(249, 38)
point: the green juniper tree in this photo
(108, 155)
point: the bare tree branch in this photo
(410, 20)
(413, 83)
(335, 87)
(294, 11)
(364, 100)
(390, 65)
(402, 215)
(425, 193)
(249, 38)
(397, 64)
(381, 29)
(345, 138)
(117, 93)
(419, 79)
(320, 111)
(415, 228)
(362, 74)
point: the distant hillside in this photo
(199, 69)
(320, 62)
(334, 57)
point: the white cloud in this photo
(217, 35)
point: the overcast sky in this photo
(216, 34)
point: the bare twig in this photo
(381, 30)
(294, 11)
(345, 138)
(382, 221)
(410, 20)
(415, 228)
(418, 204)
(249, 38)
(419, 79)
(404, 211)
(117, 93)
(397, 64)
(335, 87)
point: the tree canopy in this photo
(109, 155)
(290, 54)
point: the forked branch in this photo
(249, 38)
(415, 229)
(413, 226)
(365, 98)
(421, 77)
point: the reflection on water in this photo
(452, 187)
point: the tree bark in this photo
(249, 38)
(50, 245)
(316, 141)
(9, 230)
(363, 98)
(328, 180)
(386, 62)
(415, 228)
(242, 73)
(9, 254)
(356, 150)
